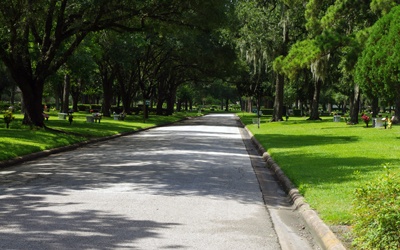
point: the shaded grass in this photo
(328, 160)
(21, 140)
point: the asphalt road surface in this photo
(187, 186)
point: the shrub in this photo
(296, 112)
(8, 118)
(267, 111)
(377, 214)
(84, 107)
(95, 108)
(4, 106)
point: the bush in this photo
(4, 106)
(8, 118)
(296, 112)
(84, 107)
(377, 214)
(95, 107)
(267, 111)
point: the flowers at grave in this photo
(366, 119)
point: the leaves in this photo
(378, 66)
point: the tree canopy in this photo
(378, 66)
(281, 53)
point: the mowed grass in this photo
(20, 140)
(328, 160)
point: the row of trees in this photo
(312, 49)
(119, 48)
(285, 51)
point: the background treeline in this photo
(311, 56)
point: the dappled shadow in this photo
(28, 222)
(43, 201)
(166, 161)
(80, 127)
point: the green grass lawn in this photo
(328, 160)
(21, 140)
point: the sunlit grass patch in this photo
(20, 140)
(328, 160)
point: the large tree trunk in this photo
(162, 90)
(278, 105)
(249, 104)
(32, 94)
(397, 108)
(159, 108)
(280, 79)
(107, 97)
(355, 105)
(171, 98)
(145, 110)
(12, 97)
(314, 115)
(67, 86)
(126, 104)
(108, 76)
(375, 106)
(75, 93)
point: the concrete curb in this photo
(322, 233)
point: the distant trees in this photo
(286, 51)
(39, 37)
(314, 46)
(378, 66)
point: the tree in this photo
(81, 68)
(332, 46)
(38, 37)
(258, 42)
(6, 83)
(378, 67)
(267, 29)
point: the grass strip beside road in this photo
(328, 160)
(21, 140)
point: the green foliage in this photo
(8, 117)
(267, 111)
(300, 57)
(378, 67)
(383, 6)
(83, 107)
(4, 106)
(377, 213)
(95, 107)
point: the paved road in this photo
(187, 186)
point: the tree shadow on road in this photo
(28, 223)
